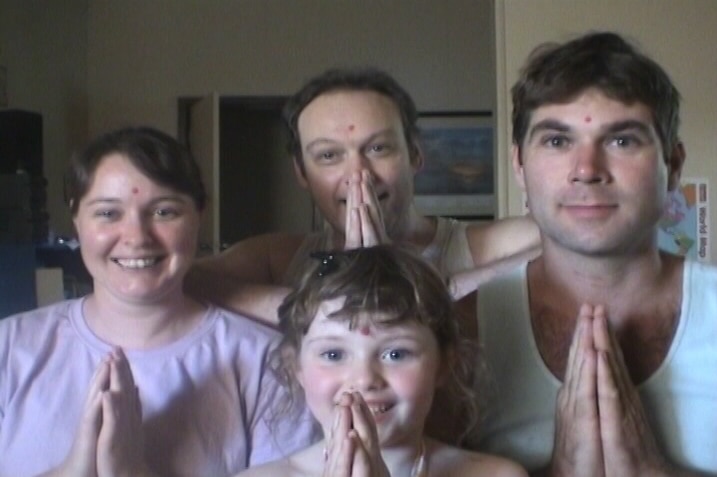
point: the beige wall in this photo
(43, 45)
(92, 65)
(144, 55)
(680, 34)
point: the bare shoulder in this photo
(502, 238)
(305, 463)
(448, 460)
(277, 467)
(259, 259)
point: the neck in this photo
(621, 283)
(140, 325)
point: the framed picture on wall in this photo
(457, 178)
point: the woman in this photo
(187, 377)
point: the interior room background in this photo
(91, 65)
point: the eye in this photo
(332, 355)
(555, 141)
(396, 354)
(626, 141)
(379, 149)
(106, 214)
(327, 156)
(166, 213)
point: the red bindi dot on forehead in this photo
(365, 330)
(135, 190)
(351, 127)
(588, 119)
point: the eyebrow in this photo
(327, 141)
(547, 125)
(640, 126)
(555, 125)
(113, 200)
(319, 339)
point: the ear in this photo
(417, 159)
(299, 172)
(674, 166)
(517, 163)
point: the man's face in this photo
(594, 174)
(344, 132)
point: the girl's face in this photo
(137, 238)
(394, 367)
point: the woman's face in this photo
(137, 238)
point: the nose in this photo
(136, 230)
(366, 376)
(589, 165)
(357, 162)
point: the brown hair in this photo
(155, 154)
(556, 73)
(351, 79)
(392, 285)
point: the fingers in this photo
(606, 342)
(364, 218)
(373, 207)
(353, 220)
(80, 460)
(577, 449)
(581, 340)
(364, 424)
(120, 444)
(369, 234)
(339, 451)
(352, 447)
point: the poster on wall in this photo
(457, 177)
(684, 227)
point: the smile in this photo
(379, 408)
(136, 263)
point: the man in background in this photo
(355, 148)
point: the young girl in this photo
(369, 335)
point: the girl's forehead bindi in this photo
(588, 119)
(135, 190)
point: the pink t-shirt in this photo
(208, 400)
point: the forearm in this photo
(462, 283)
(258, 301)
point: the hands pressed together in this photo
(108, 440)
(364, 218)
(601, 426)
(352, 448)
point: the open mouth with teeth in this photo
(378, 409)
(137, 263)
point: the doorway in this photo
(256, 188)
